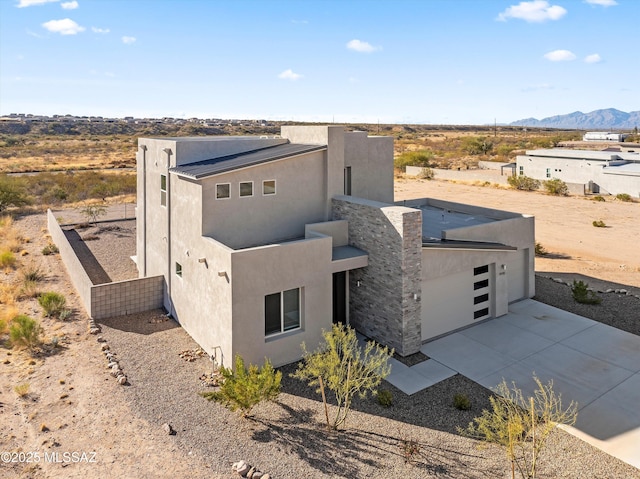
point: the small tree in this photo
(25, 331)
(11, 194)
(414, 158)
(341, 366)
(582, 294)
(556, 187)
(93, 211)
(522, 426)
(244, 388)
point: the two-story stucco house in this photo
(263, 242)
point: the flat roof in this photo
(584, 154)
(436, 220)
(224, 164)
(632, 169)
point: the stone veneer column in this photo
(384, 305)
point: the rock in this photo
(266, 476)
(122, 380)
(94, 330)
(112, 364)
(251, 472)
(100, 339)
(623, 291)
(558, 280)
(609, 290)
(105, 347)
(243, 470)
(166, 427)
(257, 475)
(236, 465)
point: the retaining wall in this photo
(107, 299)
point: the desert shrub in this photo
(32, 273)
(597, 198)
(540, 250)
(556, 187)
(599, 224)
(524, 183)
(244, 388)
(426, 173)
(343, 367)
(50, 249)
(93, 211)
(11, 193)
(25, 331)
(409, 448)
(385, 398)
(477, 145)
(30, 289)
(52, 303)
(582, 294)
(623, 197)
(22, 389)
(7, 259)
(462, 402)
(413, 158)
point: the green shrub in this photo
(7, 259)
(22, 389)
(623, 197)
(523, 183)
(556, 187)
(25, 331)
(414, 158)
(50, 249)
(461, 402)
(599, 224)
(385, 398)
(582, 293)
(244, 388)
(32, 273)
(597, 198)
(52, 303)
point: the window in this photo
(269, 187)
(548, 172)
(347, 181)
(163, 190)
(481, 284)
(282, 312)
(483, 298)
(246, 188)
(522, 170)
(481, 270)
(481, 313)
(223, 191)
(178, 269)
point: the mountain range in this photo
(607, 119)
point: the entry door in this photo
(340, 297)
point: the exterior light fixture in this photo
(202, 260)
(222, 274)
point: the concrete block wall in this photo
(126, 297)
(77, 273)
(384, 297)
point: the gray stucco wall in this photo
(371, 162)
(385, 296)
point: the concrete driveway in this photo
(591, 363)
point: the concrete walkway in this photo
(589, 362)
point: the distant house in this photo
(263, 242)
(603, 136)
(593, 171)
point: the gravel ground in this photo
(287, 438)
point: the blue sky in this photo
(396, 61)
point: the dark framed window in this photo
(481, 270)
(269, 187)
(223, 191)
(481, 284)
(163, 190)
(246, 189)
(480, 313)
(178, 269)
(282, 312)
(481, 299)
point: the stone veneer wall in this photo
(108, 299)
(386, 304)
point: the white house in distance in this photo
(605, 172)
(603, 136)
(263, 242)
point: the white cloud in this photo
(100, 30)
(560, 56)
(593, 58)
(534, 11)
(289, 75)
(69, 5)
(128, 40)
(362, 47)
(30, 3)
(66, 26)
(603, 3)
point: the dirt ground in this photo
(563, 227)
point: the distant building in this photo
(587, 171)
(603, 136)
